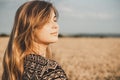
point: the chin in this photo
(53, 40)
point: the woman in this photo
(27, 54)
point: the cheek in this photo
(42, 36)
(46, 37)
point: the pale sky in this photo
(75, 16)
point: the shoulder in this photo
(37, 67)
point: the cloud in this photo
(93, 15)
(67, 10)
(88, 10)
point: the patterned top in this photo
(37, 67)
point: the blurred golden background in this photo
(84, 58)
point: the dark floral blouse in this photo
(37, 67)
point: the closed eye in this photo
(55, 19)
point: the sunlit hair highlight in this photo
(29, 16)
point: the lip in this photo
(54, 33)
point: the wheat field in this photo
(84, 58)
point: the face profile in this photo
(49, 32)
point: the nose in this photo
(56, 26)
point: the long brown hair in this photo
(30, 15)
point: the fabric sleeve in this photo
(39, 68)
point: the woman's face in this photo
(49, 32)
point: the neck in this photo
(39, 48)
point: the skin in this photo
(46, 35)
